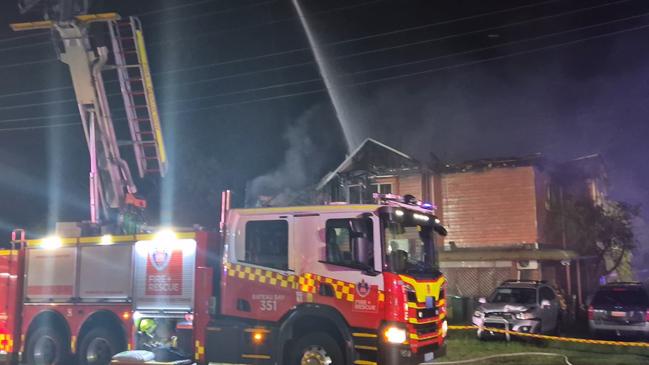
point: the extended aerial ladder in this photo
(112, 187)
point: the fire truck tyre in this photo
(317, 348)
(46, 346)
(98, 347)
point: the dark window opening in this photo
(621, 297)
(546, 294)
(267, 243)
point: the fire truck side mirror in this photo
(370, 272)
(355, 234)
(440, 229)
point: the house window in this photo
(359, 196)
(267, 243)
(350, 242)
(381, 188)
(355, 194)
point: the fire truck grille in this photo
(426, 329)
(427, 313)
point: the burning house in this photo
(499, 212)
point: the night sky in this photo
(241, 96)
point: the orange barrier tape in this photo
(554, 338)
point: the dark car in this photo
(620, 309)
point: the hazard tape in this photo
(553, 338)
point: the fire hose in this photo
(516, 354)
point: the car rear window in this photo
(621, 297)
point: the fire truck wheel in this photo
(317, 349)
(98, 347)
(46, 346)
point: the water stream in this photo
(327, 73)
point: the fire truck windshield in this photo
(409, 248)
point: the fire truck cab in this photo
(334, 284)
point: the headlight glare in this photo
(395, 335)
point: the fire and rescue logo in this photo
(363, 288)
(160, 258)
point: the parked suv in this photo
(621, 309)
(521, 306)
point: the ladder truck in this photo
(112, 187)
(327, 284)
(69, 299)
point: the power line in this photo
(482, 30)
(344, 56)
(38, 127)
(390, 78)
(142, 14)
(239, 74)
(245, 59)
(519, 53)
(151, 12)
(216, 12)
(55, 116)
(24, 46)
(481, 49)
(380, 49)
(429, 59)
(34, 35)
(423, 72)
(258, 25)
(21, 106)
(474, 50)
(27, 63)
(20, 93)
(281, 53)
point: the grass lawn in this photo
(464, 345)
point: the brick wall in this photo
(494, 207)
(411, 184)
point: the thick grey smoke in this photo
(312, 142)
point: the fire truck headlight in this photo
(421, 217)
(165, 235)
(444, 328)
(137, 316)
(52, 242)
(106, 240)
(395, 335)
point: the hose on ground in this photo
(516, 354)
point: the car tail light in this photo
(646, 318)
(591, 312)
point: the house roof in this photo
(373, 154)
(482, 164)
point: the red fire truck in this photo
(334, 284)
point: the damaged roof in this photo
(536, 159)
(375, 157)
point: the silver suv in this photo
(621, 309)
(520, 306)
